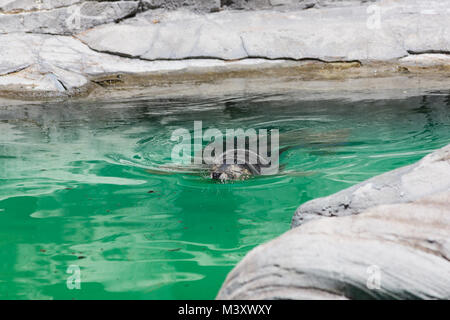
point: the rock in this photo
(345, 34)
(398, 251)
(15, 6)
(201, 38)
(246, 4)
(211, 5)
(37, 63)
(67, 20)
(215, 5)
(117, 37)
(428, 176)
(152, 4)
(426, 60)
(40, 79)
(297, 4)
(15, 55)
(196, 5)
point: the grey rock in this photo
(152, 4)
(151, 41)
(15, 6)
(216, 5)
(298, 4)
(196, 5)
(15, 55)
(426, 60)
(67, 20)
(34, 63)
(329, 34)
(40, 79)
(398, 251)
(200, 38)
(428, 176)
(246, 4)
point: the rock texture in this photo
(399, 251)
(59, 65)
(91, 38)
(426, 60)
(196, 5)
(390, 251)
(19, 6)
(345, 33)
(428, 176)
(217, 5)
(67, 20)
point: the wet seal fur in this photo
(240, 167)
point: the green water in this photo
(74, 190)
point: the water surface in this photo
(74, 189)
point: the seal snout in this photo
(226, 172)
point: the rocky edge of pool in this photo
(66, 48)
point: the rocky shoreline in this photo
(60, 48)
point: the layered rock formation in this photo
(391, 251)
(56, 18)
(406, 184)
(136, 34)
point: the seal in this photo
(239, 168)
(232, 165)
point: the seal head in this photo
(226, 172)
(240, 167)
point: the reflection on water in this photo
(74, 189)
